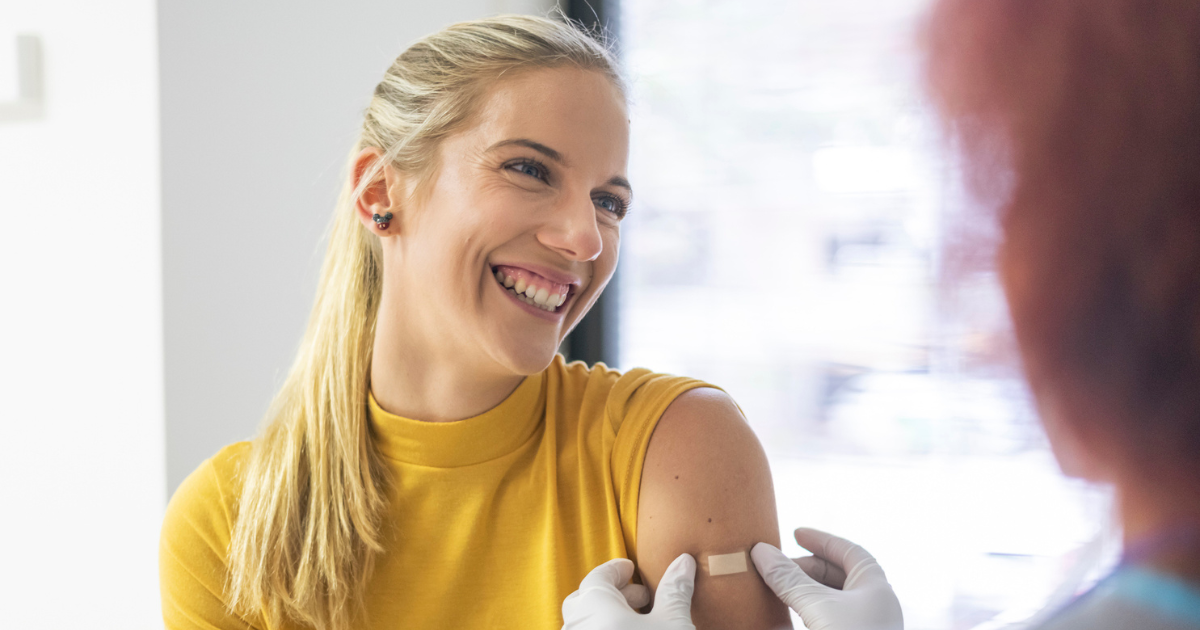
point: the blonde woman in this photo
(430, 462)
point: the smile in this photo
(532, 289)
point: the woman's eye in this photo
(532, 170)
(612, 205)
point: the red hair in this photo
(1080, 121)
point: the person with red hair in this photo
(1078, 124)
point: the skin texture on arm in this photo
(706, 489)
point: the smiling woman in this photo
(430, 460)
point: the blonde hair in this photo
(309, 521)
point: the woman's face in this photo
(528, 197)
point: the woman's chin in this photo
(529, 359)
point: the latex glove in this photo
(840, 587)
(606, 600)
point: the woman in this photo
(430, 461)
(1080, 121)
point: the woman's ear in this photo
(379, 204)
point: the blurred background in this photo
(788, 242)
(167, 170)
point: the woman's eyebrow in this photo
(536, 146)
(621, 182)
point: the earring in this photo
(382, 222)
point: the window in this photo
(784, 244)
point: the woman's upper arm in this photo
(706, 490)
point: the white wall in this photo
(81, 421)
(155, 278)
(260, 104)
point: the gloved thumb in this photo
(782, 574)
(673, 599)
(860, 567)
(617, 573)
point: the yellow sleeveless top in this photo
(493, 520)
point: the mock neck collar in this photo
(492, 434)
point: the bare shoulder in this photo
(703, 421)
(706, 490)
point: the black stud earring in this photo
(382, 222)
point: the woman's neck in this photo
(424, 377)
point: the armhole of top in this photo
(636, 403)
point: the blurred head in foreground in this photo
(1080, 122)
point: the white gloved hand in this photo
(606, 600)
(840, 587)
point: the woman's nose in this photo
(573, 231)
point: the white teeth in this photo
(530, 294)
(548, 301)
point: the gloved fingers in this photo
(599, 591)
(673, 599)
(823, 571)
(824, 544)
(612, 574)
(789, 582)
(859, 566)
(636, 595)
(887, 613)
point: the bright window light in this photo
(784, 244)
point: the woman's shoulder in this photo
(203, 505)
(228, 461)
(632, 400)
(194, 545)
(219, 475)
(626, 405)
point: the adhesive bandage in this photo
(726, 564)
